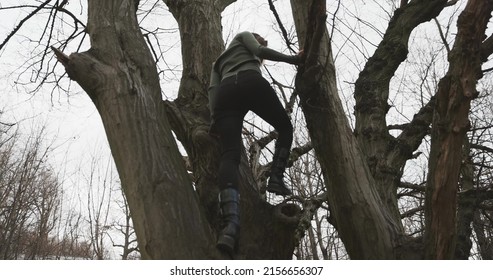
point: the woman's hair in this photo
(260, 39)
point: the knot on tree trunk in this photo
(92, 75)
(288, 214)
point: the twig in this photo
(442, 36)
(24, 20)
(283, 30)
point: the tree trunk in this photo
(450, 124)
(364, 225)
(119, 75)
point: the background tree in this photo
(31, 221)
(100, 183)
(124, 226)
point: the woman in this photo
(236, 87)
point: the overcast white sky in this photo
(73, 120)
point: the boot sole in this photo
(278, 190)
(226, 244)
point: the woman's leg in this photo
(266, 105)
(228, 118)
(229, 131)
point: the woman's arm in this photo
(249, 41)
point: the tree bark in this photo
(386, 155)
(119, 75)
(466, 206)
(450, 124)
(365, 227)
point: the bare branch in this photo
(481, 147)
(24, 20)
(411, 212)
(442, 36)
(414, 187)
(478, 195)
(413, 133)
(297, 152)
(7, 124)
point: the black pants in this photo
(246, 91)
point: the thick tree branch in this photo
(414, 132)
(412, 212)
(483, 148)
(297, 152)
(372, 86)
(414, 187)
(87, 71)
(372, 94)
(475, 196)
(310, 206)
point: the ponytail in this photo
(260, 39)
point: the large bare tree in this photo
(175, 215)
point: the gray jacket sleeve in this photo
(254, 47)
